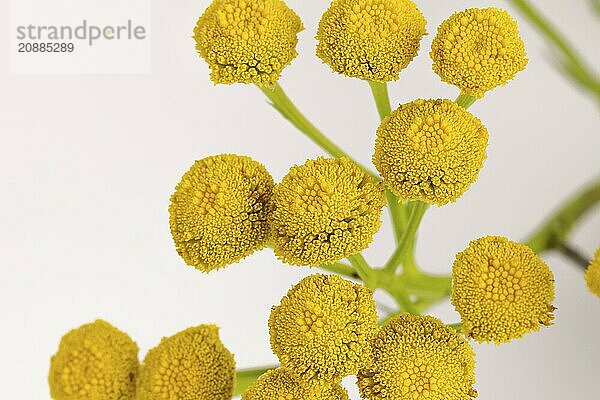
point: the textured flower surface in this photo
(322, 329)
(279, 384)
(218, 213)
(370, 39)
(325, 210)
(430, 150)
(418, 358)
(248, 41)
(94, 362)
(592, 274)
(501, 289)
(478, 49)
(191, 365)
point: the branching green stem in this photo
(341, 269)
(246, 377)
(366, 273)
(282, 103)
(406, 243)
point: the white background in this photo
(88, 162)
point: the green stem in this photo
(282, 103)
(366, 273)
(246, 377)
(382, 98)
(417, 212)
(464, 100)
(555, 230)
(574, 255)
(341, 269)
(570, 61)
(457, 327)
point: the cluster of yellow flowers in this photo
(99, 362)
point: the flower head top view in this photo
(319, 217)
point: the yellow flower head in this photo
(279, 384)
(501, 289)
(219, 211)
(325, 210)
(418, 358)
(477, 50)
(370, 39)
(94, 362)
(592, 275)
(192, 365)
(322, 329)
(430, 150)
(247, 41)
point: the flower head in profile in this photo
(478, 49)
(218, 213)
(418, 358)
(592, 274)
(95, 361)
(280, 384)
(501, 289)
(430, 150)
(370, 39)
(247, 41)
(323, 328)
(325, 210)
(192, 365)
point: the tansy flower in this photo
(501, 289)
(218, 213)
(325, 210)
(477, 50)
(95, 361)
(279, 384)
(248, 41)
(370, 39)
(418, 358)
(192, 365)
(430, 150)
(322, 329)
(592, 274)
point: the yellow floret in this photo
(247, 41)
(477, 50)
(592, 274)
(370, 39)
(279, 384)
(94, 362)
(191, 365)
(218, 213)
(430, 150)
(325, 210)
(322, 329)
(418, 358)
(501, 289)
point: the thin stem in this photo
(382, 99)
(417, 212)
(366, 273)
(556, 229)
(246, 377)
(574, 255)
(341, 269)
(457, 327)
(282, 103)
(464, 100)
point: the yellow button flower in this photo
(592, 274)
(325, 210)
(279, 384)
(430, 150)
(370, 39)
(191, 365)
(322, 329)
(247, 41)
(418, 358)
(477, 50)
(94, 362)
(501, 289)
(218, 213)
